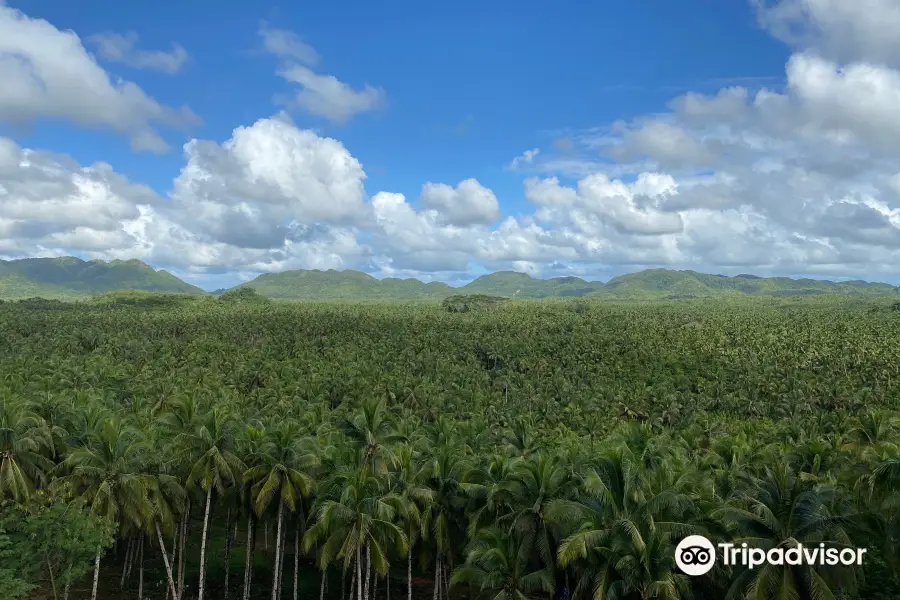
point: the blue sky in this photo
(733, 121)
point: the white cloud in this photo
(525, 158)
(802, 179)
(288, 45)
(266, 183)
(470, 203)
(322, 95)
(116, 47)
(48, 73)
(845, 30)
(326, 96)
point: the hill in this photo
(343, 285)
(649, 284)
(665, 283)
(70, 277)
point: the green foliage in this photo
(510, 450)
(70, 277)
(474, 302)
(243, 295)
(48, 541)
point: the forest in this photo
(237, 448)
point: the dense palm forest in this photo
(238, 449)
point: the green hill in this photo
(343, 285)
(520, 285)
(664, 283)
(649, 284)
(70, 277)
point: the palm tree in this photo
(23, 440)
(215, 468)
(536, 484)
(498, 567)
(622, 532)
(357, 511)
(287, 459)
(373, 430)
(780, 510)
(442, 524)
(107, 474)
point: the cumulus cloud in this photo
(48, 73)
(322, 95)
(469, 203)
(800, 179)
(838, 29)
(121, 48)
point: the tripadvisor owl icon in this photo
(695, 555)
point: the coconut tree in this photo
(215, 468)
(284, 475)
(780, 509)
(357, 511)
(23, 441)
(499, 568)
(108, 475)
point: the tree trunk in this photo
(296, 557)
(437, 577)
(409, 574)
(53, 579)
(387, 581)
(358, 574)
(186, 518)
(141, 569)
(322, 585)
(96, 573)
(68, 580)
(248, 559)
(277, 571)
(368, 572)
(445, 572)
(228, 540)
(203, 544)
(126, 563)
(162, 546)
(281, 559)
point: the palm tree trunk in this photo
(96, 573)
(248, 559)
(126, 563)
(358, 574)
(368, 571)
(186, 518)
(437, 577)
(445, 570)
(409, 574)
(296, 557)
(203, 544)
(281, 560)
(277, 570)
(162, 546)
(375, 587)
(228, 539)
(141, 569)
(322, 585)
(387, 591)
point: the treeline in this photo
(529, 451)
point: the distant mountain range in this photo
(70, 277)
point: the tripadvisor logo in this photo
(696, 555)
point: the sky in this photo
(221, 140)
